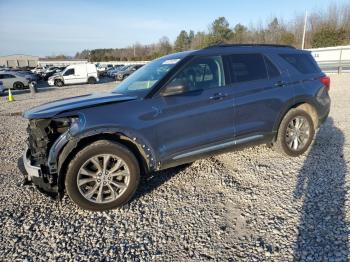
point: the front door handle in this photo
(280, 83)
(218, 96)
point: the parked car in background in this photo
(12, 80)
(2, 89)
(39, 70)
(111, 72)
(102, 69)
(2, 69)
(75, 74)
(121, 75)
(28, 75)
(47, 74)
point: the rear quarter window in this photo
(304, 63)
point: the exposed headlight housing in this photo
(61, 125)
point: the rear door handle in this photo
(280, 83)
(218, 96)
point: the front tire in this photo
(92, 80)
(102, 176)
(18, 85)
(59, 83)
(295, 133)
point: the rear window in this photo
(247, 67)
(304, 63)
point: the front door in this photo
(201, 116)
(69, 76)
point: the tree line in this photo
(324, 28)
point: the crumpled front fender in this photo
(67, 142)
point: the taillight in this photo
(326, 81)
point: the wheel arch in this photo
(59, 79)
(14, 85)
(143, 152)
(306, 105)
(92, 77)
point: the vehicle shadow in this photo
(322, 230)
(154, 180)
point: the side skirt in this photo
(214, 149)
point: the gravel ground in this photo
(252, 205)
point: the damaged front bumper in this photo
(35, 175)
(46, 139)
(32, 171)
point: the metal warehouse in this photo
(19, 61)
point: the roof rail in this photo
(252, 45)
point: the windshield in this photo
(145, 78)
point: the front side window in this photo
(247, 67)
(69, 72)
(144, 79)
(201, 73)
(8, 76)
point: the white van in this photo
(75, 74)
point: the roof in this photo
(225, 49)
(251, 45)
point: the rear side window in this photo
(6, 76)
(304, 63)
(247, 67)
(272, 70)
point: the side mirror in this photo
(174, 89)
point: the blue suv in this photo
(175, 110)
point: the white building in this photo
(19, 61)
(53, 62)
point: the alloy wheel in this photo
(103, 178)
(297, 133)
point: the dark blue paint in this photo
(190, 122)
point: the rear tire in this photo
(295, 133)
(59, 83)
(18, 85)
(123, 186)
(92, 80)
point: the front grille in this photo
(38, 140)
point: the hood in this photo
(51, 109)
(56, 75)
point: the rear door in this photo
(198, 118)
(260, 92)
(80, 74)
(304, 71)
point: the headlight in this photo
(61, 125)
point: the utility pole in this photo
(134, 50)
(304, 32)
